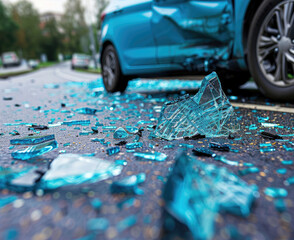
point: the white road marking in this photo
(275, 108)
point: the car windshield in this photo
(7, 56)
(80, 56)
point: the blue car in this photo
(238, 38)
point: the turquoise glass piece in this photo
(287, 162)
(86, 110)
(126, 223)
(132, 129)
(208, 113)
(282, 170)
(96, 204)
(171, 146)
(97, 224)
(195, 192)
(7, 200)
(134, 145)
(276, 192)
(248, 171)
(280, 205)
(77, 122)
(32, 140)
(129, 185)
(69, 169)
(120, 133)
(289, 181)
(34, 151)
(112, 150)
(151, 156)
(126, 203)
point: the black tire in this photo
(113, 79)
(268, 67)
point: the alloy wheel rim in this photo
(275, 45)
(109, 69)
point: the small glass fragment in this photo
(287, 162)
(34, 151)
(38, 127)
(32, 140)
(220, 146)
(96, 204)
(126, 223)
(77, 122)
(289, 181)
(208, 113)
(97, 224)
(69, 169)
(112, 150)
(248, 171)
(86, 110)
(120, 133)
(154, 156)
(126, 203)
(276, 192)
(134, 145)
(203, 152)
(271, 136)
(169, 146)
(129, 185)
(282, 171)
(280, 205)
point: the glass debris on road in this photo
(208, 113)
(129, 185)
(32, 140)
(203, 190)
(120, 133)
(150, 156)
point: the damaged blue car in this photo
(238, 38)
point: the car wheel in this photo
(113, 78)
(271, 49)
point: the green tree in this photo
(7, 30)
(74, 27)
(51, 40)
(29, 32)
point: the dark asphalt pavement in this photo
(65, 212)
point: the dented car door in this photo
(190, 29)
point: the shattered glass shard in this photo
(32, 140)
(126, 223)
(34, 151)
(280, 204)
(220, 146)
(69, 169)
(268, 135)
(154, 156)
(86, 110)
(97, 225)
(112, 150)
(129, 184)
(276, 192)
(7, 200)
(120, 133)
(208, 113)
(248, 171)
(77, 122)
(195, 192)
(131, 129)
(134, 145)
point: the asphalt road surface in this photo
(53, 94)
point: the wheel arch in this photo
(250, 13)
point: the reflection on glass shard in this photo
(97, 224)
(129, 184)
(112, 150)
(32, 140)
(34, 151)
(208, 113)
(120, 133)
(276, 192)
(220, 146)
(7, 200)
(196, 191)
(86, 110)
(75, 169)
(96, 204)
(134, 145)
(289, 181)
(126, 223)
(154, 156)
(77, 122)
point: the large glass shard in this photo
(195, 192)
(69, 169)
(34, 151)
(32, 140)
(208, 113)
(86, 110)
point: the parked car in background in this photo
(32, 63)
(80, 61)
(10, 59)
(238, 38)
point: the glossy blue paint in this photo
(153, 36)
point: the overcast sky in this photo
(58, 6)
